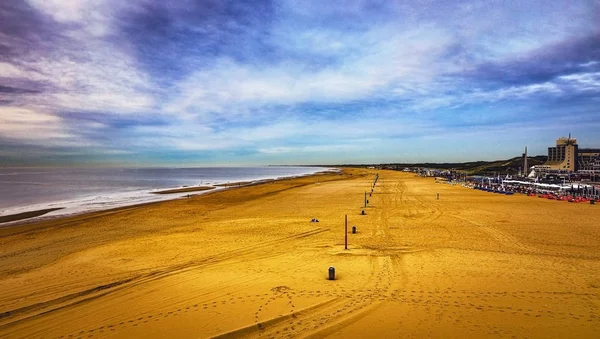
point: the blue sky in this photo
(202, 83)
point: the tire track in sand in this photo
(10, 318)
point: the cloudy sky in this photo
(215, 82)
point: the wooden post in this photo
(365, 199)
(346, 233)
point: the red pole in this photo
(346, 233)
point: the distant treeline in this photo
(510, 166)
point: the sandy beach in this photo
(248, 262)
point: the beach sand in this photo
(248, 262)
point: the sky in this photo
(236, 83)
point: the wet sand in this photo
(27, 215)
(248, 262)
(185, 190)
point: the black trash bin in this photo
(331, 273)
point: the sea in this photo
(79, 190)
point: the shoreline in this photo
(185, 190)
(32, 216)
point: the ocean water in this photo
(88, 189)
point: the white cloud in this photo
(85, 67)
(93, 77)
(8, 70)
(407, 58)
(327, 148)
(516, 92)
(477, 96)
(37, 127)
(582, 81)
(275, 136)
(93, 16)
(31, 126)
(589, 64)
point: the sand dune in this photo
(248, 262)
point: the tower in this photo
(525, 168)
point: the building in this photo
(588, 160)
(563, 157)
(568, 157)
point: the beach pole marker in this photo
(353, 229)
(438, 196)
(331, 273)
(346, 233)
(365, 199)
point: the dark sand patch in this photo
(232, 184)
(26, 215)
(185, 190)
